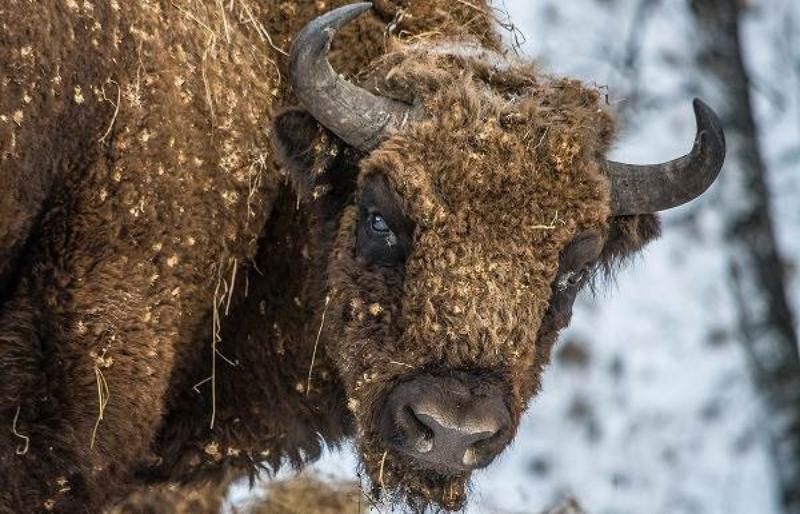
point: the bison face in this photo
(452, 257)
(455, 232)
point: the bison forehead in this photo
(500, 187)
(474, 172)
(497, 144)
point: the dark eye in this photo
(378, 224)
(378, 243)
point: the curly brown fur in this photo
(146, 205)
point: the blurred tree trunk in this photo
(756, 269)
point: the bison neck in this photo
(265, 407)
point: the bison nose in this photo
(444, 424)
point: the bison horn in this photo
(357, 116)
(652, 188)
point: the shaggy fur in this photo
(144, 225)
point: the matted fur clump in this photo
(499, 177)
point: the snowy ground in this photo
(659, 415)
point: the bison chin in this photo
(398, 479)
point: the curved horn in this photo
(352, 113)
(652, 188)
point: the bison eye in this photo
(377, 242)
(378, 224)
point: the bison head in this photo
(462, 201)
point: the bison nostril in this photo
(417, 423)
(486, 446)
(441, 423)
(421, 434)
(457, 441)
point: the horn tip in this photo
(708, 122)
(355, 9)
(704, 113)
(315, 38)
(356, 115)
(688, 177)
(699, 104)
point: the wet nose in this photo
(447, 423)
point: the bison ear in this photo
(295, 138)
(317, 161)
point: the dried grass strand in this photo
(102, 400)
(116, 109)
(316, 344)
(233, 282)
(207, 85)
(472, 6)
(25, 439)
(197, 385)
(262, 32)
(224, 21)
(380, 473)
(215, 338)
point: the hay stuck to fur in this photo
(174, 499)
(309, 493)
(570, 506)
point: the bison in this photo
(198, 282)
